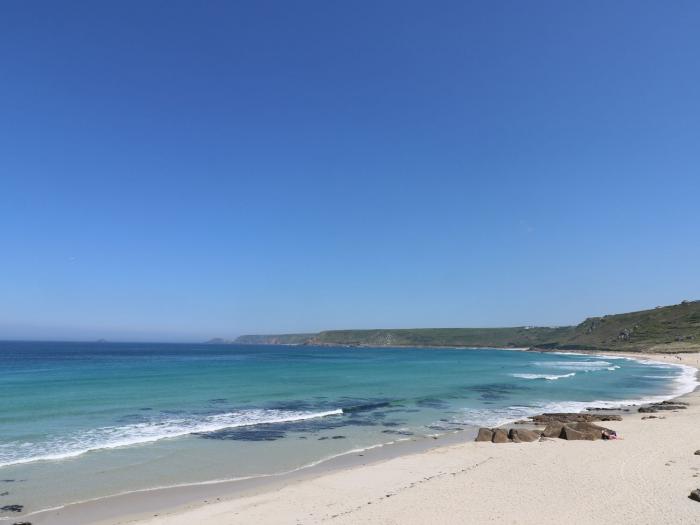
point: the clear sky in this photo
(183, 170)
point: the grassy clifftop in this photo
(673, 328)
(500, 337)
(669, 328)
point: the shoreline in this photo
(135, 506)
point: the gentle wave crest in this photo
(139, 433)
(579, 366)
(548, 377)
(685, 382)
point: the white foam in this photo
(580, 366)
(684, 383)
(14, 453)
(543, 376)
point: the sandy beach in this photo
(643, 478)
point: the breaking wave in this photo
(110, 437)
(548, 377)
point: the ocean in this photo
(85, 420)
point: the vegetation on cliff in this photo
(673, 328)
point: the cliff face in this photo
(275, 339)
(673, 328)
(496, 337)
(669, 328)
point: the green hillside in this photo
(669, 328)
(673, 328)
(500, 337)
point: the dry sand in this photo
(644, 478)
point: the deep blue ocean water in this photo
(172, 411)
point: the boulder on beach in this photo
(518, 435)
(575, 431)
(500, 436)
(695, 495)
(553, 430)
(485, 434)
(569, 433)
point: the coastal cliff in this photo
(674, 328)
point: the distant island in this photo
(674, 328)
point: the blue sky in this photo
(183, 170)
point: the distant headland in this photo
(674, 328)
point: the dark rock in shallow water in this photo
(254, 433)
(364, 407)
(495, 391)
(338, 437)
(12, 508)
(484, 434)
(361, 422)
(432, 403)
(695, 495)
(398, 432)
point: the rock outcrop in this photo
(518, 435)
(500, 436)
(485, 434)
(573, 417)
(563, 426)
(664, 405)
(576, 431)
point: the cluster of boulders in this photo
(664, 405)
(577, 431)
(501, 435)
(568, 426)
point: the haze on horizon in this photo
(181, 171)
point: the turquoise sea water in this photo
(80, 421)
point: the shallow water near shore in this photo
(82, 421)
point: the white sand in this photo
(645, 478)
